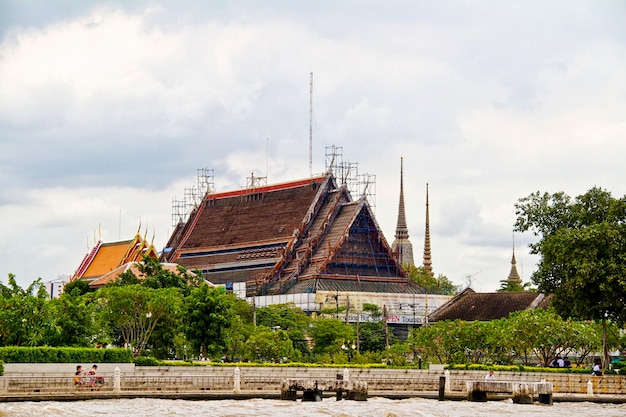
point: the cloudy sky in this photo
(109, 108)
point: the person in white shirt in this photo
(490, 376)
(597, 367)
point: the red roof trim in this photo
(86, 261)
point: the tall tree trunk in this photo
(605, 348)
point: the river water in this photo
(374, 407)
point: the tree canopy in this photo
(433, 285)
(208, 315)
(582, 243)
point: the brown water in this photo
(378, 407)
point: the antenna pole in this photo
(311, 126)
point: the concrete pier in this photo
(521, 392)
(313, 389)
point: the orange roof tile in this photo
(106, 257)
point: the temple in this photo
(472, 306)
(304, 241)
(402, 245)
(105, 258)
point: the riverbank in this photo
(55, 383)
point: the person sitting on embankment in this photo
(78, 376)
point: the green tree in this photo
(433, 285)
(236, 339)
(76, 287)
(269, 345)
(208, 315)
(585, 338)
(329, 334)
(287, 317)
(537, 333)
(159, 277)
(582, 243)
(135, 311)
(372, 337)
(72, 320)
(512, 286)
(24, 314)
(437, 341)
(496, 348)
(156, 276)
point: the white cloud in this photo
(114, 108)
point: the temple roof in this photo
(273, 237)
(470, 305)
(261, 214)
(106, 257)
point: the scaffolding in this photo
(363, 252)
(347, 173)
(193, 196)
(253, 182)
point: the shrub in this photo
(117, 355)
(44, 354)
(145, 361)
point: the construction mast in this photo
(311, 126)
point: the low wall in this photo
(400, 380)
(37, 377)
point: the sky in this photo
(109, 108)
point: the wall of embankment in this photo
(59, 378)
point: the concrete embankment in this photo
(46, 382)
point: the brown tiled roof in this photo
(273, 237)
(256, 215)
(470, 305)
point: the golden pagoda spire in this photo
(513, 275)
(428, 264)
(402, 245)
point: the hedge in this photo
(268, 364)
(519, 368)
(145, 361)
(1, 368)
(44, 354)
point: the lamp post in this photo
(145, 333)
(349, 349)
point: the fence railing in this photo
(256, 380)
